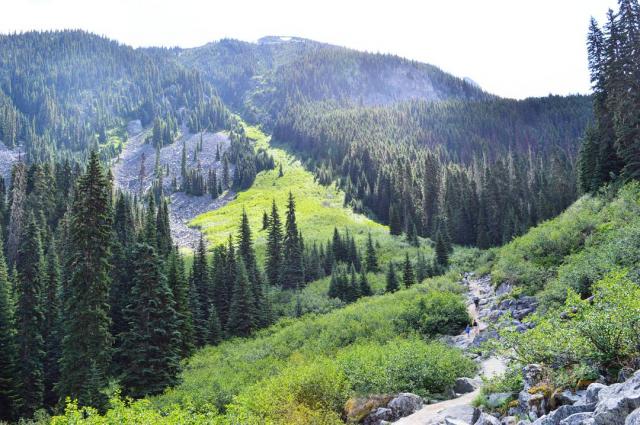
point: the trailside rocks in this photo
(617, 401)
(405, 404)
(465, 385)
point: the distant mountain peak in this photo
(279, 39)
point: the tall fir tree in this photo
(8, 366)
(371, 259)
(248, 255)
(242, 314)
(274, 247)
(292, 267)
(179, 286)
(392, 284)
(52, 329)
(151, 345)
(30, 268)
(87, 342)
(408, 275)
(201, 283)
(163, 230)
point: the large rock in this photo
(509, 420)
(563, 412)
(633, 418)
(379, 416)
(405, 404)
(584, 418)
(465, 385)
(486, 419)
(466, 414)
(592, 392)
(617, 401)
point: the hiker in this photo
(476, 327)
(467, 330)
(476, 302)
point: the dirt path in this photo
(436, 413)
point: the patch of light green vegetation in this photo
(319, 209)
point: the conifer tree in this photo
(222, 284)
(30, 270)
(371, 260)
(423, 270)
(442, 253)
(52, 329)
(8, 366)
(151, 346)
(248, 255)
(408, 276)
(86, 345)
(150, 233)
(365, 287)
(226, 178)
(352, 292)
(201, 283)
(265, 220)
(180, 290)
(392, 278)
(163, 230)
(292, 267)
(16, 210)
(242, 314)
(214, 330)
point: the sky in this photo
(512, 48)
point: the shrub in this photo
(403, 365)
(437, 313)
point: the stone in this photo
(509, 420)
(531, 375)
(466, 414)
(451, 421)
(560, 398)
(405, 404)
(358, 408)
(379, 416)
(633, 418)
(583, 418)
(617, 401)
(592, 392)
(498, 399)
(486, 419)
(465, 385)
(563, 412)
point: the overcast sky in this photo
(513, 48)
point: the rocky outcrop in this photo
(461, 415)
(465, 385)
(617, 401)
(405, 404)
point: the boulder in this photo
(509, 420)
(633, 418)
(617, 401)
(405, 404)
(379, 416)
(486, 419)
(465, 385)
(531, 375)
(466, 414)
(357, 408)
(592, 392)
(495, 400)
(563, 412)
(560, 398)
(584, 418)
(451, 421)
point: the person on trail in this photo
(476, 328)
(467, 330)
(476, 302)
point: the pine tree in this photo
(392, 278)
(163, 230)
(183, 162)
(423, 269)
(226, 178)
(408, 276)
(52, 329)
(8, 366)
(17, 210)
(242, 314)
(365, 288)
(86, 345)
(265, 220)
(442, 253)
(201, 283)
(371, 260)
(180, 289)
(150, 233)
(151, 346)
(30, 270)
(292, 267)
(214, 330)
(352, 292)
(248, 255)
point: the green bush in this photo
(602, 333)
(438, 313)
(403, 365)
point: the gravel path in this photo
(435, 413)
(127, 170)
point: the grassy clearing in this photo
(318, 208)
